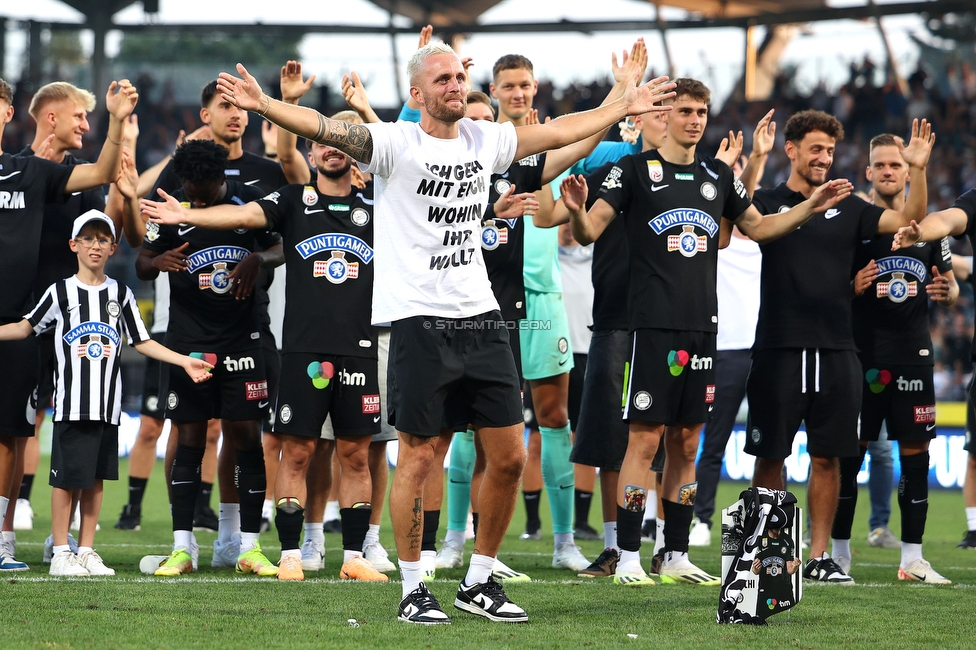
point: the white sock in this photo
(4, 501)
(314, 532)
(61, 549)
(268, 509)
(348, 555)
(228, 522)
(840, 548)
(295, 551)
(562, 538)
(629, 561)
(332, 511)
(182, 539)
(372, 535)
(970, 516)
(84, 549)
(479, 569)
(675, 557)
(9, 536)
(610, 534)
(910, 553)
(650, 510)
(455, 536)
(248, 541)
(412, 575)
(659, 540)
(429, 556)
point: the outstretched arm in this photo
(245, 93)
(217, 217)
(198, 369)
(16, 331)
(764, 229)
(934, 227)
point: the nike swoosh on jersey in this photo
(656, 188)
(929, 427)
(262, 405)
(307, 211)
(183, 231)
(376, 419)
(256, 180)
(831, 213)
(10, 175)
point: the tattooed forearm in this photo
(353, 139)
(416, 524)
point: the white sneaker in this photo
(149, 563)
(66, 564)
(429, 566)
(569, 556)
(195, 552)
(883, 538)
(921, 571)
(24, 515)
(225, 554)
(450, 556)
(92, 561)
(376, 555)
(700, 535)
(503, 573)
(682, 570)
(844, 563)
(49, 547)
(313, 555)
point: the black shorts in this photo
(453, 372)
(671, 376)
(827, 397)
(970, 418)
(82, 452)
(152, 406)
(601, 433)
(238, 389)
(576, 376)
(45, 376)
(314, 386)
(903, 397)
(18, 396)
(515, 341)
(272, 367)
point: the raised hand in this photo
(938, 290)
(293, 87)
(919, 148)
(46, 149)
(467, 62)
(573, 190)
(730, 149)
(169, 212)
(864, 278)
(244, 92)
(648, 97)
(121, 99)
(128, 180)
(203, 133)
(130, 131)
(269, 136)
(764, 137)
(830, 194)
(630, 64)
(354, 92)
(512, 206)
(425, 35)
(907, 236)
(172, 261)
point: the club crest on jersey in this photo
(152, 231)
(899, 288)
(309, 196)
(359, 217)
(94, 349)
(219, 280)
(492, 236)
(502, 185)
(336, 269)
(655, 171)
(113, 308)
(612, 180)
(708, 191)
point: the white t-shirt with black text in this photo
(430, 196)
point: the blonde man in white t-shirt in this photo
(450, 361)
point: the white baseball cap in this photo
(91, 215)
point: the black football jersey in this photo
(27, 184)
(891, 318)
(967, 203)
(806, 275)
(672, 215)
(503, 240)
(204, 314)
(328, 243)
(611, 266)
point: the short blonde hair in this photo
(57, 91)
(416, 62)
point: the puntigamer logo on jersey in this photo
(91, 339)
(687, 241)
(220, 257)
(899, 288)
(336, 269)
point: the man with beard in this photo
(451, 362)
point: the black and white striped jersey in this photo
(89, 323)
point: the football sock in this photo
(557, 476)
(432, 520)
(229, 522)
(355, 523)
(677, 525)
(289, 517)
(459, 480)
(582, 500)
(610, 534)
(137, 490)
(411, 574)
(25, 487)
(184, 485)
(531, 500)
(314, 532)
(479, 569)
(628, 529)
(847, 500)
(913, 496)
(251, 485)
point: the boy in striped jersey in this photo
(89, 312)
